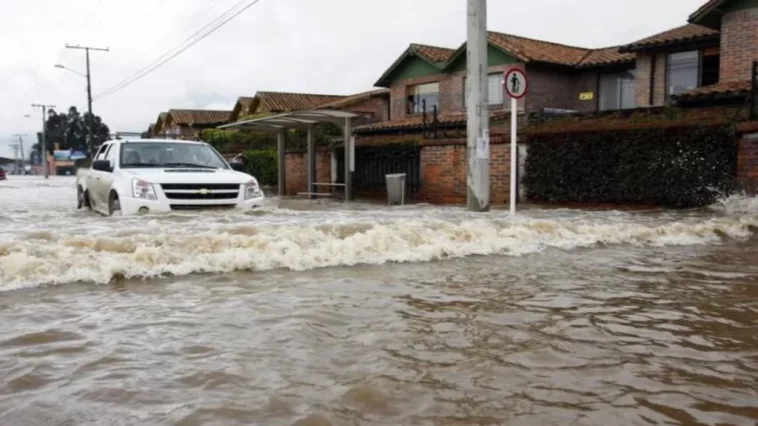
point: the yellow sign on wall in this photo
(586, 96)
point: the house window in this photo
(682, 72)
(423, 96)
(710, 69)
(495, 89)
(616, 91)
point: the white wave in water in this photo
(44, 258)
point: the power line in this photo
(175, 31)
(216, 24)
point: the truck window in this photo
(111, 155)
(103, 150)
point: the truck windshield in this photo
(169, 154)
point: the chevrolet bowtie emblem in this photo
(203, 191)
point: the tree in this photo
(69, 131)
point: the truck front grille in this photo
(200, 191)
(201, 206)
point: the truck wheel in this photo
(82, 198)
(114, 206)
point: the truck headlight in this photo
(252, 190)
(143, 189)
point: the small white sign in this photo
(516, 83)
(483, 146)
(352, 153)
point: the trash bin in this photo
(396, 188)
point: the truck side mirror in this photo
(238, 166)
(102, 165)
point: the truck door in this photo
(95, 183)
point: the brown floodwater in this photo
(315, 313)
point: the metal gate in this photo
(372, 163)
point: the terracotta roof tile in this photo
(685, 33)
(198, 116)
(528, 49)
(606, 56)
(287, 102)
(433, 53)
(418, 122)
(358, 97)
(706, 9)
(719, 89)
(245, 101)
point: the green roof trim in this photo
(417, 70)
(710, 14)
(495, 56)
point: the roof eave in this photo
(462, 50)
(384, 80)
(704, 16)
(605, 64)
(732, 94)
(634, 48)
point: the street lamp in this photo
(90, 137)
(69, 69)
(90, 134)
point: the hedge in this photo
(671, 167)
(263, 165)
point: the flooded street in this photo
(310, 313)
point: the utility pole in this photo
(43, 151)
(21, 147)
(90, 138)
(478, 125)
(20, 143)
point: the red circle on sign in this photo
(526, 83)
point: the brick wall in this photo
(389, 138)
(296, 177)
(378, 107)
(550, 88)
(586, 82)
(747, 163)
(739, 48)
(398, 93)
(453, 97)
(444, 168)
(642, 84)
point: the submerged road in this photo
(311, 313)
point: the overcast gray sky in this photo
(315, 46)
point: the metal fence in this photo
(373, 163)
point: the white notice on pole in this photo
(483, 146)
(352, 153)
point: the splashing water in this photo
(47, 242)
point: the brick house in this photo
(278, 102)
(430, 78)
(705, 61)
(188, 123)
(373, 104)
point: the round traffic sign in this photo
(516, 83)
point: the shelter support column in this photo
(311, 162)
(348, 159)
(281, 156)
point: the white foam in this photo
(301, 247)
(58, 244)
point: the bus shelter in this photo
(306, 120)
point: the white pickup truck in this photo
(155, 175)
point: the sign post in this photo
(516, 85)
